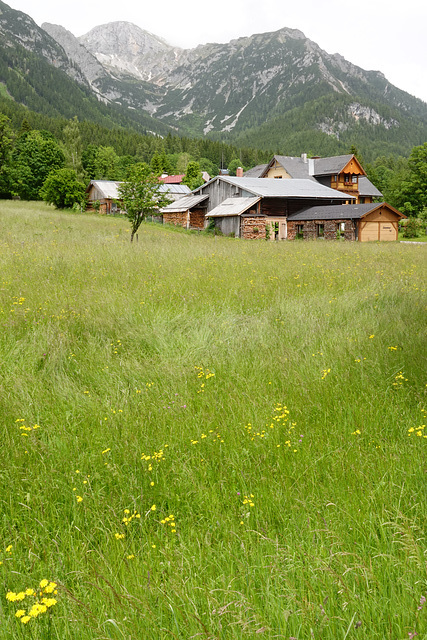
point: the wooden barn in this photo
(103, 195)
(256, 208)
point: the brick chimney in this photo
(239, 172)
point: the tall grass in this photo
(269, 397)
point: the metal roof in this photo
(174, 188)
(269, 188)
(336, 212)
(107, 188)
(366, 188)
(184, 204)
(232, 207)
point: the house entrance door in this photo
(283, 230)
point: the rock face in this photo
(76, 52)
(125, 49)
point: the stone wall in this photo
(310, 229)
(178, 219)
(252, 228)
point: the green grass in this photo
(312, 416)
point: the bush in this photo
(63, 189)
(412, 228)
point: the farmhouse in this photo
(343, 173)
(246, 207)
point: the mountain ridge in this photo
(278, 88)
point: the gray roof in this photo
(298, 168)
(184, 204)
(366, 188)
(107, 188)
(255, 172)
(174, 188)
(329, 166)
(335, 212)
(232, 207)
(269, 188)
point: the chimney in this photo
(311, 166)
(304, 158)
(239, 172)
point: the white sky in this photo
(384, 35)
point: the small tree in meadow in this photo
(141, 195)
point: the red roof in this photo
(173, 179)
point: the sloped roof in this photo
(337, 212)
(329, 166)
(255, 172)
(232, 207)
(285, 188)
(107, 188)
(366, 188)
(296, 167)
(174, 188)
(184, 204)
(177, 179)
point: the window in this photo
(278, 177)
(346, 178)
(320, 230)
(340, 230)
(361, 200)
(300, 231)
(354, 179)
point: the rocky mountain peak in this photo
(127, 49)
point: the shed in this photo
(240, 217)
(188, 211)
(104, 192)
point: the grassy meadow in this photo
(209, 438)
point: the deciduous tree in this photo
(141, 195)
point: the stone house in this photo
(363, 222)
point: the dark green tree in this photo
(63, 189)
(107, 164)
(6, 143)
(193, 177)
(73, 147)
(36, 154)
(141, 195)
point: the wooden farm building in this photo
(103, 195)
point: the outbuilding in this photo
(362, 222)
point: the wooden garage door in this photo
(387, 231)
(369, 231)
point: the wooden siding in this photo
(380, 225)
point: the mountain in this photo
(274, 90)
(36, 71)
(252, 89)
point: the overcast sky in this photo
(383, 35)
